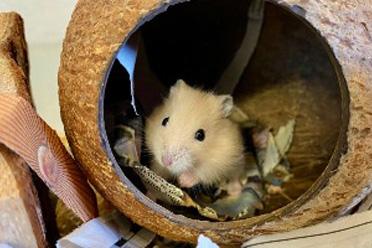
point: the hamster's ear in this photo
(227, 105)
(178, 85)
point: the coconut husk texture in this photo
(95, 33)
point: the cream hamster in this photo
(192, 140)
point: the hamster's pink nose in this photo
(167, 159)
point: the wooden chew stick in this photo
(23, 131)
(21, 220)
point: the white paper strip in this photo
(127, 57)
(93, 234)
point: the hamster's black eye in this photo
(165, 121)
(200, 135)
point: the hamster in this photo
(192, 139)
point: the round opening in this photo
(292, 74)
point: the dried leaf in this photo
(271, 157)
(283, 138)
(276, 148)
(126, 143)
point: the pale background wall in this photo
(45, 25)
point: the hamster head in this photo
(191, 131)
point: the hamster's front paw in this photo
(187, 180)
(234, 188)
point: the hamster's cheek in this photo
(158, 150)
(199, 149)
